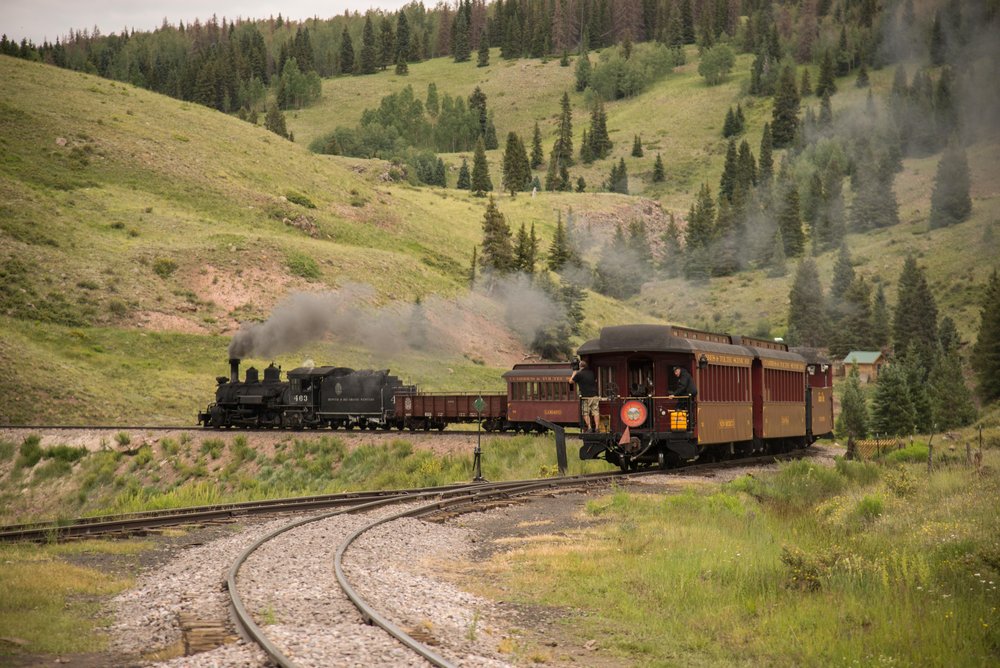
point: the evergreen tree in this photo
(915, 319)
(563, 149)
(275, 121)
(559, 253)
(440, 174)
(765, 164)
(937, 45)
(490, 138)
(825, 111)
(986, 352)
(671, 261)
(386, 44)
(472, 268)
(497, 256)
(790, 222)
(583, 72)
(618, 180)
(464, 178)
(805, 87)
(880, 319)
(346, 53)
(516, 172)
(402, 68)
(854, 326)
(483, 55)
(431, 105)
(522, 251)
(402, 40)
(659, 176)
(950, 399)
(843, 274)
(481, 183)
(586, 149)
(636, 147)
(477, 107)
(807, 319)
(892, 411)
(368, 52)
(862, 80)
(853, 418)
(916, 386)
(537, 156)
(727, 183)
(778, 266)
(600, 142)
(827, 82)
(950, 201)
(699, 236)
(461, 46)
(729, 125)
(581, 185)
(785, 115)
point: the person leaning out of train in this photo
(684, 388)
(586, 389)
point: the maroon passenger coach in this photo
(753, 396)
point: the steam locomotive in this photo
(755, 395)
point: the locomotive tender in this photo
(754, 395)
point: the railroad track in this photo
(420, 504)
(212, 430)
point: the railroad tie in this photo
(201, 635)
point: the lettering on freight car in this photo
(552, 411)
(785, 420)
(727, 424)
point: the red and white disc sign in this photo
(634, 413)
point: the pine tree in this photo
(765, 164)
(807, 320)
(480, 183)
(671, 261)
(825, 111)
(472, 268)
(402, 39)
(659, 176)
(440, 174)
(386, 44)
(916, 385)
(522, 251)
(729, 125)
(563, 149)
(827, 82)
(483, 55)
(402, 69)
(853, 418)
(581, 185)
(843, 275)
(586, 150)
(854, 327)
(950, 201)
(558, 251)
(862, 80)
(516, 172)
(537, 156)
(498, 253)
(431, 105)
(785, 115)
(583, 72)
(464, 178)
(636, 147)
(346, 53)
(790, 222)
(892, 411)
(727, 183)
(699, 236)
(880, 318)
(275, 121)
(805, 87)
(915, 318)
(618, 180)
(600, 142)
(777, 267)
(461, 47)
(368, 54)
(950, 399)
(986, 352)
(937, 45)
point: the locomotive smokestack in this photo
(234, 370)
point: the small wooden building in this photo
(869, 364)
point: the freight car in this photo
(754, 396)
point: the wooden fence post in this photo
(930, 457)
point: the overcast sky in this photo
(39, 20)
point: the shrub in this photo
(117, 307)
(7, 450)
(300, 199)
(66, 453)
(52, 469)
(869, 508)
(123, 439)
(30, 452)
(164, 267)
(303, 265)
(213, 447)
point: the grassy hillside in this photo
(138, 231)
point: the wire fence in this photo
(876, 449)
